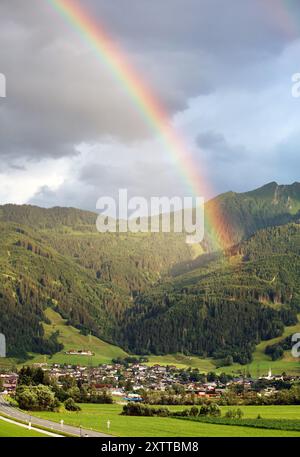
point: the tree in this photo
(36, 398)
(46, 398)
(27, 399)
(74, 393)
(33, 376)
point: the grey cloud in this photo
(210, 139)
(59, 93)
(217, 148)
(96, 179)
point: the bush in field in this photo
(162, 412)
(210, 410)
(239, 413)
(234, 414)
(204, 410)
(70, 405)
(136, 409)
(183, 413)
(194, 411)
(214, 410)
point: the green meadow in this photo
(15, 431)
(96, 417)
(183, 361)
(268, 412)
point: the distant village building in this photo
(79, 352)
(9, 382)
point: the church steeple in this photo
(270, 373)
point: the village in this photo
(130, 381)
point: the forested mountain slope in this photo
(226, 306)
(89, 278)
(240, 215)
(34, 276)
(130, 288)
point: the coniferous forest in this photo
(153, 293)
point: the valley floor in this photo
(96, 417)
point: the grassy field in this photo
(14, 431)
(96, 416)
(183, 361)
(71, 338)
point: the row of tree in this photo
(38, 391)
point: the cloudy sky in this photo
(69, 133)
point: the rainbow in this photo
(284, 14)
(150, 108)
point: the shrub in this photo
(70, 405)
(210, 410)
(136, 409)
(194, 411)
(214, 410)
(234, 414)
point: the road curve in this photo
(15, 413)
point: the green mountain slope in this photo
(152, 292)
(225, 307)
(88, 278)
(73, 340)
(242, 214)
(33, 276)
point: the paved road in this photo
(14, 413)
